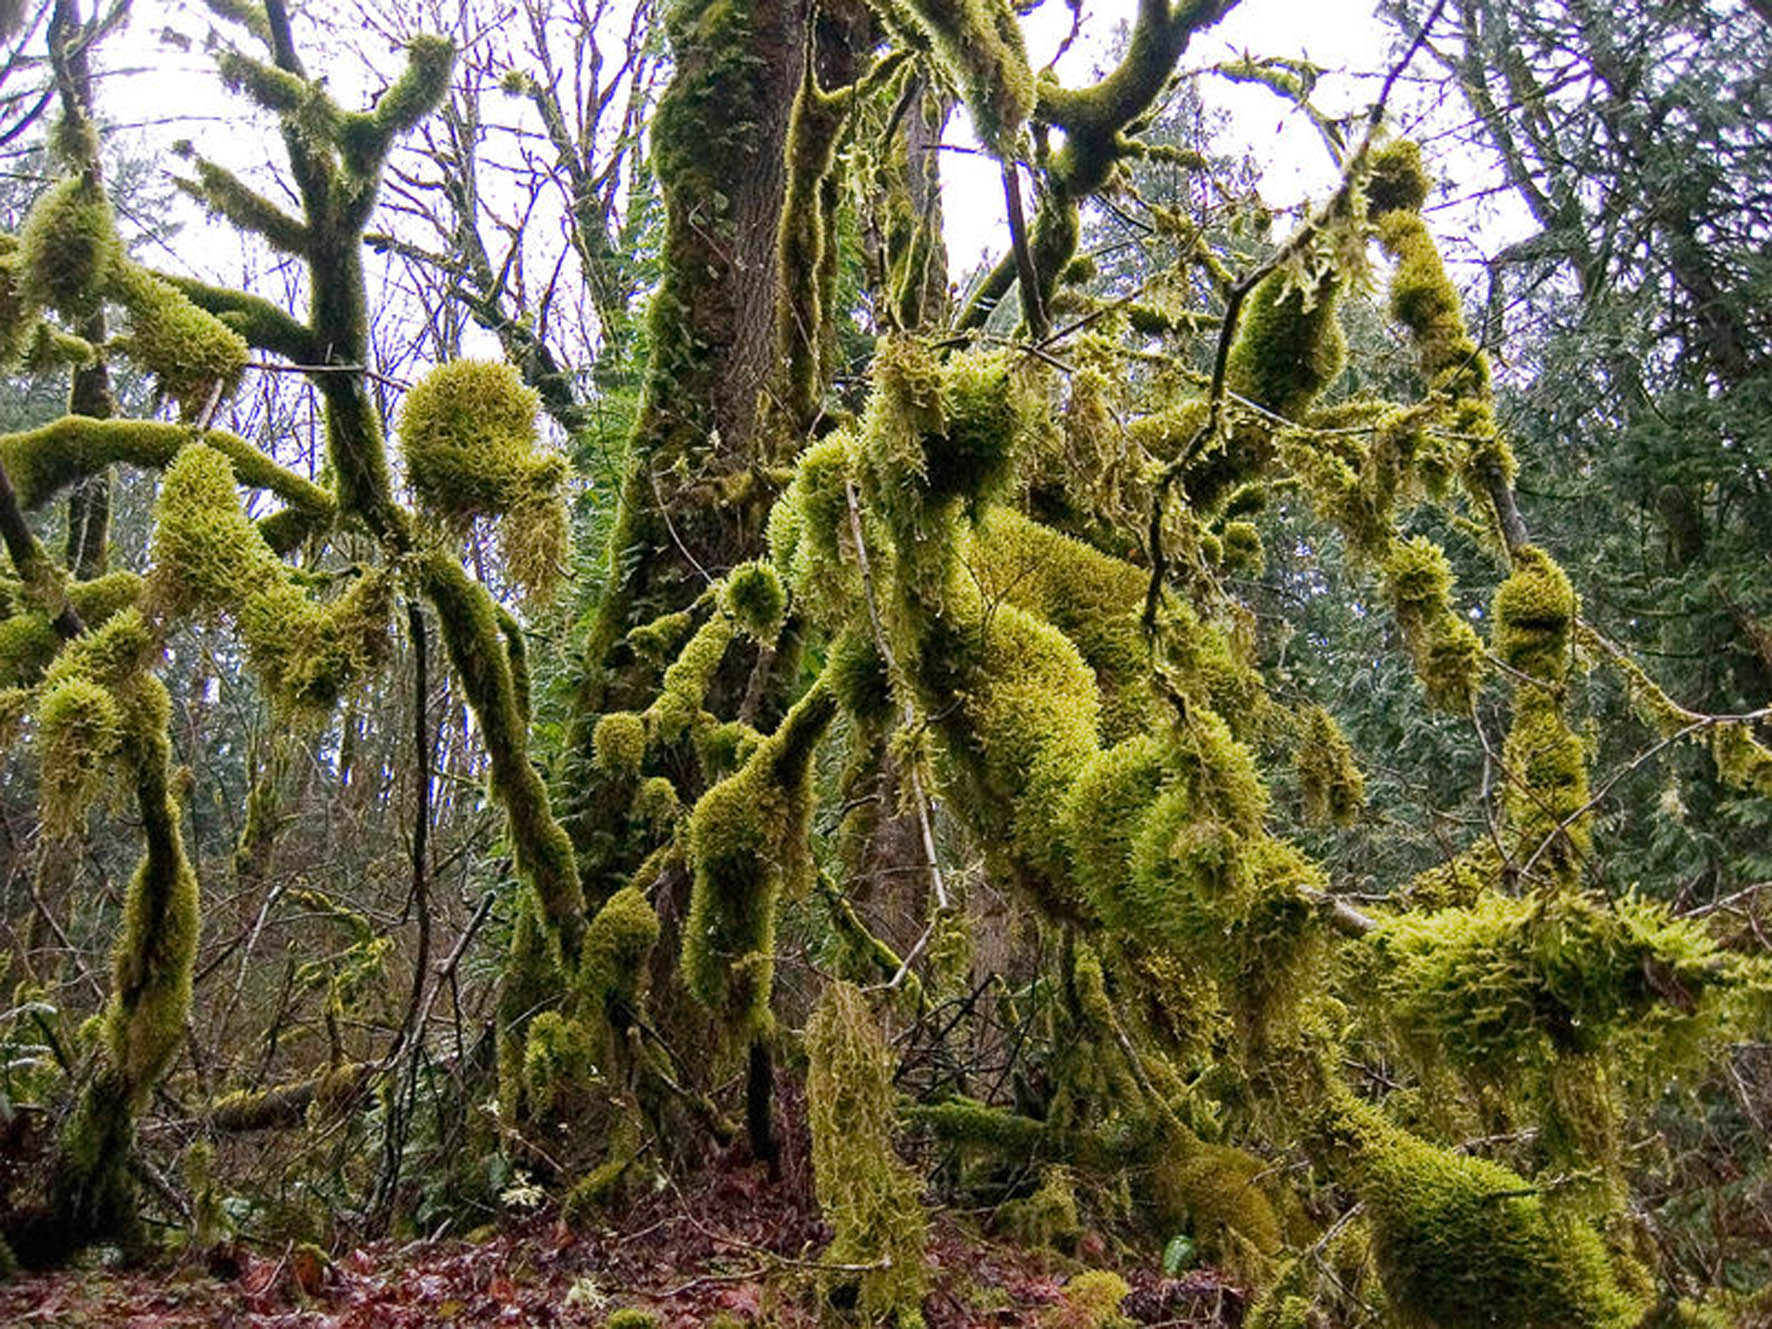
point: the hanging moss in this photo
(1396, 178)
(618, 944)
(1547, 792)
(1331, 783)
(67, 249)
(79, 734)
(870, 1198)
(1463, 1243)
(656, 804)
(980, 44)
(809, 534)
(1104, 812)
(1447, 652)
(1243, 553)
(858, 677)
(746, 844)
(1289, 346)
(557, 1061)
(191, 353)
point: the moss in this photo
(1447, 653)
(870, 1198)
(544, 857)
(747, 843)
(557, 1061)
(1547, 784)
(18, 320)
(809, 533)
(1242, 551)
(1535, 617)
(655, 803)
(617, 946)
(985, 410)
(678, 707)
(980, 43)
(67, 249)
(629, 1317)
(190, 352)
(756, 599)
(1331, 783)
(1103, 813)
(1396, 178)
(1289, 347)
(1508, 985)
(859, 678)
(79, 733)
(1048, 1217)
(1090, 1300)
(1215, 1191)
(467, 432)
(309, 655)
(1465, 1242)
(619, 743)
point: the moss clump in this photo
(678, 707)
(18, 320)
(1215, 1191)
(655, 803)
(631, 1317)
(617, 945)
(1328, 778)
(1508, 985)
(79, 734)
(1091, 1300)
(1535, 617)
(619, 743)
(1289, 348)
(1103, 813)
(1447, 652)
(746, 844)
(67, 249)
(869, 1197)
(756, 599)
(557, 1060)
(859, 678)
(191, 353)
(467, 432)
(1048, 1217)
(1463, 1243)
(1396, 179)
(809, 533)
(1547, 793)
(1241, 549)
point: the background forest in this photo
(594, 733)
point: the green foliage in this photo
(869, 1197)
(619, 742)
(756, 599)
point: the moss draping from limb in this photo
(1330, 781)
(746, 845)
(869, 1197)
(613, 967)
(1448, 654)
(191, 353)
(67, 249)
(979, 43)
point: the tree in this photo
(971, 623)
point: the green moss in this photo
(1048, 1217)
(870, 1198)
(1090, 1300)
(1547, 787)
(79, 734)
(1242, 551)
(1535, 617)
(1289, 347)
(628, 1317)
(1216, 1192)
(656, 803)
(18, 320)
(980, 43)
(1104, 811)
(1330, 781)
(190, 352)
(858, 677)
(678, 707)
(557, 1061)
(619, 743)
(1462, 1242)
(1509, 985)
(1396, 178)
(1448, 654)
(809, 534)
(67, 249)
(467, 432)
(617, 946)
(757, 600)
(746, 844)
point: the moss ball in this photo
(1240, 549)
(1535, 616)
(655, 803)
(188, 350)
(467, 431)
(859, 677)
(755, 597)
(619, 743)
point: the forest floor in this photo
(732, 1247)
